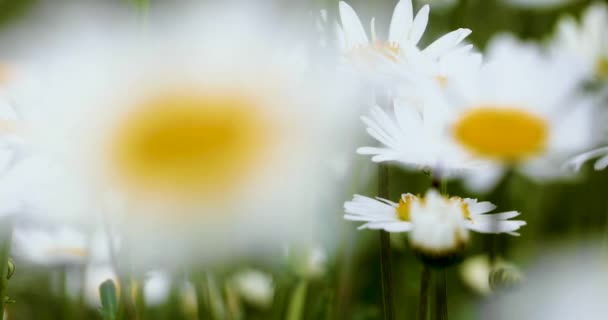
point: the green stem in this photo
(425, 281)
(441, 297)
(385, 250)
(5, 249)
(295, 311)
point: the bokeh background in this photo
(559, 215)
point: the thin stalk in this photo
(441, 297)
(63, 291)
(385, 251)
(5, 249)
(423, 303)
(297, 301)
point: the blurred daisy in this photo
(255, 287)
(561, 275)
(404, 35)
(187, 138)
(586, 41)
(522, 110)
(600, 164)
(437, 225)
(64, 246)
(59, 246)
(415, 137)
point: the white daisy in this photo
(405, 30)
(254, 286)
(187, 138)
(59, 246)
(415, 136)
(600, 164)
(586, 41)
(404, 35)
(436, 224)
(521, 110)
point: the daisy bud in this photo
(255, 287)
(505, 276)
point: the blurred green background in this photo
(556, 213)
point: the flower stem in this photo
(295, 311)
(441, 297)
(385, 250)
(6, 234)
(425, 281)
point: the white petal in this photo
(495, 227)
(401, 21)
(400, 226)
(419, 25)
(481, 207)
(446, 42)
(352, 27)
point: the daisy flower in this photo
(59, 246)
(600, 164)
(436, 225)
(522, 110)
(415, 136)
(255, 287)
(186, 138)
(404, 35)
(587, 40)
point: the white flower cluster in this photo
(522, 107)
(214, 135)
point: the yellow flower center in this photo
(189, 144)
(405, 204)
(388, 50)
(506, 134)
(463, 206)
(442, 81)
(601, 67)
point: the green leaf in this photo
(11, 268)
(109, 300)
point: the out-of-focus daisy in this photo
(600, 164)
(189, 138)
(437, 225)
(555, 280)
(415, 136)
(586, 41)
(255, 287)
(59, 246)
(404, 34)
(156, 287)
(522, 110)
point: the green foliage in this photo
(109, 300)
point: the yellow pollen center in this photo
(405, 204)
(442, 81)
(463, 206)
(389, 50)
(601, 67)
(189, 145)
(506, 134)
